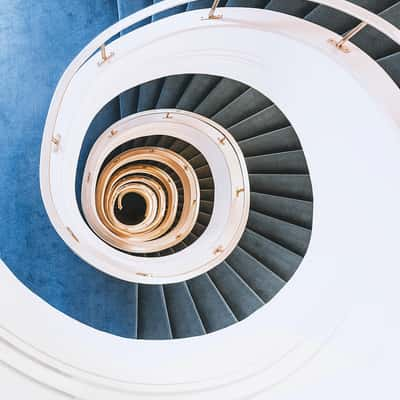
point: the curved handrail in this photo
(51, 138)
(367, 18)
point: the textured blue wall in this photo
(37, 41)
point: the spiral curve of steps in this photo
(280, 220)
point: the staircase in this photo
(279, 225)
(280, 221)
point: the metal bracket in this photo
(72, 234)
(56, 142)
(144, 274)
(104, 56)
(168, 116)
(222, 139)
(211, 14)
(341, 44)
(238, 191)
(218, 250)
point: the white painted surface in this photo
(333, 329)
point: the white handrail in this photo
(345, 6)
(341, 5)
(50, 137)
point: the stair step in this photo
(266, 120)
(206, 183)
(196, 90)
(206, 206)
(281, 140)
(129, 102)
(149, 93)
(204, 219)
(203, 172)
(295, 211)
(167, 252)
(248, 103)
(153, 315)
(179, 247)
(340, 22)
(165, 141)
(247, 3)
(172, 90)
(291, 186)
(178, 145)
(293, 237)
(184, 318)
(261, 279)
(290, 162)
(391, 64)
(207, 194)
(197, 161)
(196, 5)
(277, 258)
(241, 299)
(190, 239)
(222, 94)
(375, 43)
(198, 229)
(152, 140)
(189, 152)
(298, 8)
(212, 307)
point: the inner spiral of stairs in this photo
(280, 220)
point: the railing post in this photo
(104, 56)
(211, 14)
(341, 44)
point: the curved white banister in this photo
(50, 137)
(341, 5)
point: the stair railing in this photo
(366, 17)
(52, 139)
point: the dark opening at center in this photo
(133, 209)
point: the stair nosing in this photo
(195, 307)
(268, 133)
(232, 270)
(222, 297)
(165, 306)
(262, 265)
(273, 105)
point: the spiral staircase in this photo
(188, 202)
(279, 225)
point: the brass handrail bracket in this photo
(104, 56)
(211, 14)
(341, 44)
(55, 140)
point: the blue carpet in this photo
(37, 41)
